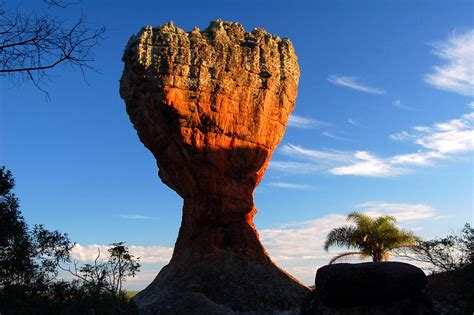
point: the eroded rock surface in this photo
(212, 106)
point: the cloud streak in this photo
(291, 167)
(333, 136)
(352, 83)
(355, 123)
(402, 211)
(304, 122)
(147, 254)
(398, 104)
(285, 185)
(440, 142)
(134, 217)
(318, 155)
(368, 165)
(457, 73)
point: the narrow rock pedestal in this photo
(212, 106)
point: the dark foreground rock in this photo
(452, 292)
(368, 288)
(355, 284)
(212, 106)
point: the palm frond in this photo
(341, 236)
(374, 237)
(359, 218)
(346, 254)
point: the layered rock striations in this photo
(212, 106)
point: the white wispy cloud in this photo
(457, 74)
(419, 158)
(440, 142)
(300, 239)
(285, 185)
(147, 254)
(400, 136)
(450, 137)
(352, 82)
(304, 122)
(368, 165)
(355, 123)
(134, 217)
(402, 211)
(318, 155)
(471, 105)
(331, 135)
(292, 167)
(398, 104)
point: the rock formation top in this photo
(222, 87)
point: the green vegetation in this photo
(373, 238)
(31, 259)
(131, 294)
(450, 253)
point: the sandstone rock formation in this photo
(212, 106)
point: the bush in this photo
(450, 253)
(30, 261)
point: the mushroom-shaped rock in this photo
(212, 106)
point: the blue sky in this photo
(382, 124)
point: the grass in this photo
(131, 294)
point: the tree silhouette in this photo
(31, 44)
(30, 261)
(453, 252)
(26, 257)
(373, 238)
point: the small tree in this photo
(31, 258)
(15, 264)
(372, 237)
(122, 265)
(449, 253)
(108, 276)
(26, 256)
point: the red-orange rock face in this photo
(211, 106)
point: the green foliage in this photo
(30, 261)
(108, 276)
(62, 297)
(26, 256)
(371, 237)
(14, 244)
(450, 253)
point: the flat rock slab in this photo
(368, 283)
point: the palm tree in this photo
(372, 237)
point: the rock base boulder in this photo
(364, 283)
(368, 288)
(235, 288)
